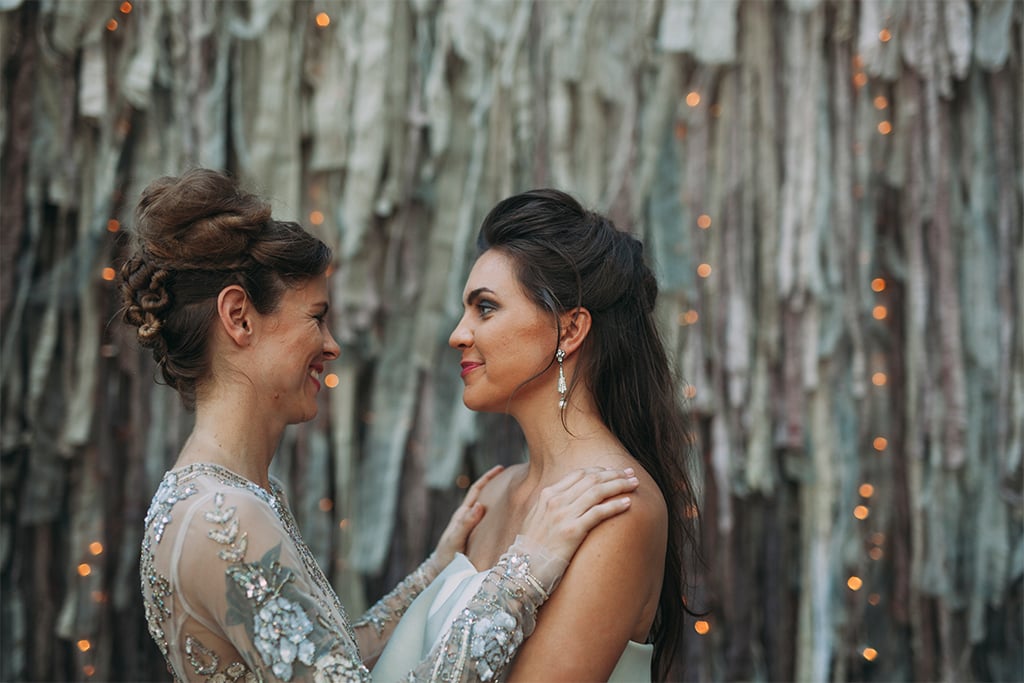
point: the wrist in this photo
(544, 568)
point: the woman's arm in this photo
(484, 639)
(608, 596)
(375, 627)
(276, 615)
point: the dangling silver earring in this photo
(560, 356)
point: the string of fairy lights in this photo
(86, 569)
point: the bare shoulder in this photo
(614, 580)
(643, 528)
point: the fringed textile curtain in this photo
(831, 193)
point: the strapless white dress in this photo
(433, 611)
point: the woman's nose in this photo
(460, 337)
(331, 349)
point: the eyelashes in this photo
(485, 307)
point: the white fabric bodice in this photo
(434, 610)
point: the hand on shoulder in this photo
(608, 595)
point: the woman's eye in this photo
(485, 307)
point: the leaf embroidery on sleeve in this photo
(226, 535)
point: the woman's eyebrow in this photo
(475, 294)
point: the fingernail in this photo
(628, 471)
(633, 480)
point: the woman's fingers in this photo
(473, 494)
(596, 514)
(464, 519)
(581, 489)
(566, 511)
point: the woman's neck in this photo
(557, 447)
(229, 434)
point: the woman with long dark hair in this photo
(558, 331)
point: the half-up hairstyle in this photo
(565, 257)
(194, 235)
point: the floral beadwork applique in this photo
(334, 667)
(227, 534)
(262, 597)
(493, 643)
(205, 662)
(167, 495)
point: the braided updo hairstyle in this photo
(194, 235)
(564, 257)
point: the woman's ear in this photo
(234, 313)
(575, 328)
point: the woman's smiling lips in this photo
(314, 374)
(468, 366)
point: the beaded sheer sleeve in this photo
(232, 593)
(375, 627)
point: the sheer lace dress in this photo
(232, 593)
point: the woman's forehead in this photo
(492, 269)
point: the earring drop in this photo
(560, 356)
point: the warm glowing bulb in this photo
(690, 391)
(866, 490)
(704, 270)
(95, 547)
(878, 285)
(878, 538)
(880, 443)
(881, 102)
(693, 98)
(875, 553)
(870, 653)
(331, 380)
(112, 25)
(84, 645)
(323, 19)
(884, 127)
(84, 569)
(89, 670)
(860, 79)
(879, 379)
(854, 583)
(109, 273)
(462, 481)
(690, 317)
(325, 505)
(885, 35)
(879, 312)
(316, 217)
(113, 225)
(874, 599)
(343, 524)
(702, 627)
(703, 221)
(861, 512)
(126, 8)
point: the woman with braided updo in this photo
(233, 304)
(558, 331)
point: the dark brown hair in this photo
(194, 235)
(566, 256)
